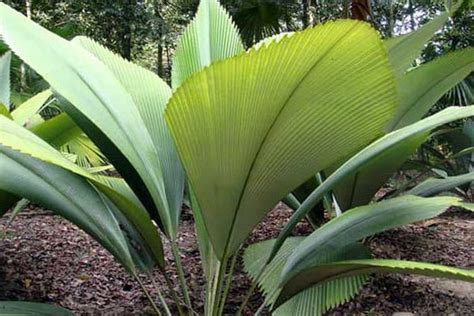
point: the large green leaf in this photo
(356, 224)
(27, 113)
(69, 195)
(403, 50)
(211, 36)
(420, 89)
(361, 222)
(326, 272)
(426, 84)
(150, 94)
(119, 185)
(467, 206)
(313, 301)
(5, 61)
(30, 308)
(4, 111)
(433, 186)
(58, 130)
(97, 102)
(370, 152)
(360, 187)
(61, 132)
(87, 154)
(245, 130)
(129, 213)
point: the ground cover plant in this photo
(237, 132)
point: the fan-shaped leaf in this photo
(69, 195)
(467, 206)
(334, 270)
(360, 187)
(27, 113)
(128, 213)
(211, 36)
(86, 152)
(244, 150)
(313, 301)
(370, 152)
(403, 50)
(96, 101)
(426, 84)
(434, 186)
(420, 89)
(150, 94)
(358, 223)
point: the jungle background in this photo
(45, 258)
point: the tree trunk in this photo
(159, 41)
(360, 10)
(412, 14)
(305, 15)
(126, 36)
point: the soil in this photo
(44, 258)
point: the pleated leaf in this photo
(433, 186)
(372, 151)
(360, 187)
(131, 216)
(5, 61)
(324, 273)
(419, 91)
(86, 152)
(467, 206)
(210, 37)
(359, 223)
(150, 94)
(426, 84)
(58, 130)
(62, 133)
(97, 101)
(29, 308)
(69, 195)
(245, 127)
(404, 49)
(27, 113)
(119, 185)
(312, 301)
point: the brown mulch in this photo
(44, 258)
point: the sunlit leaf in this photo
(245, 127)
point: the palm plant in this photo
(59, 131)
(245, 128)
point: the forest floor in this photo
(44, 258)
